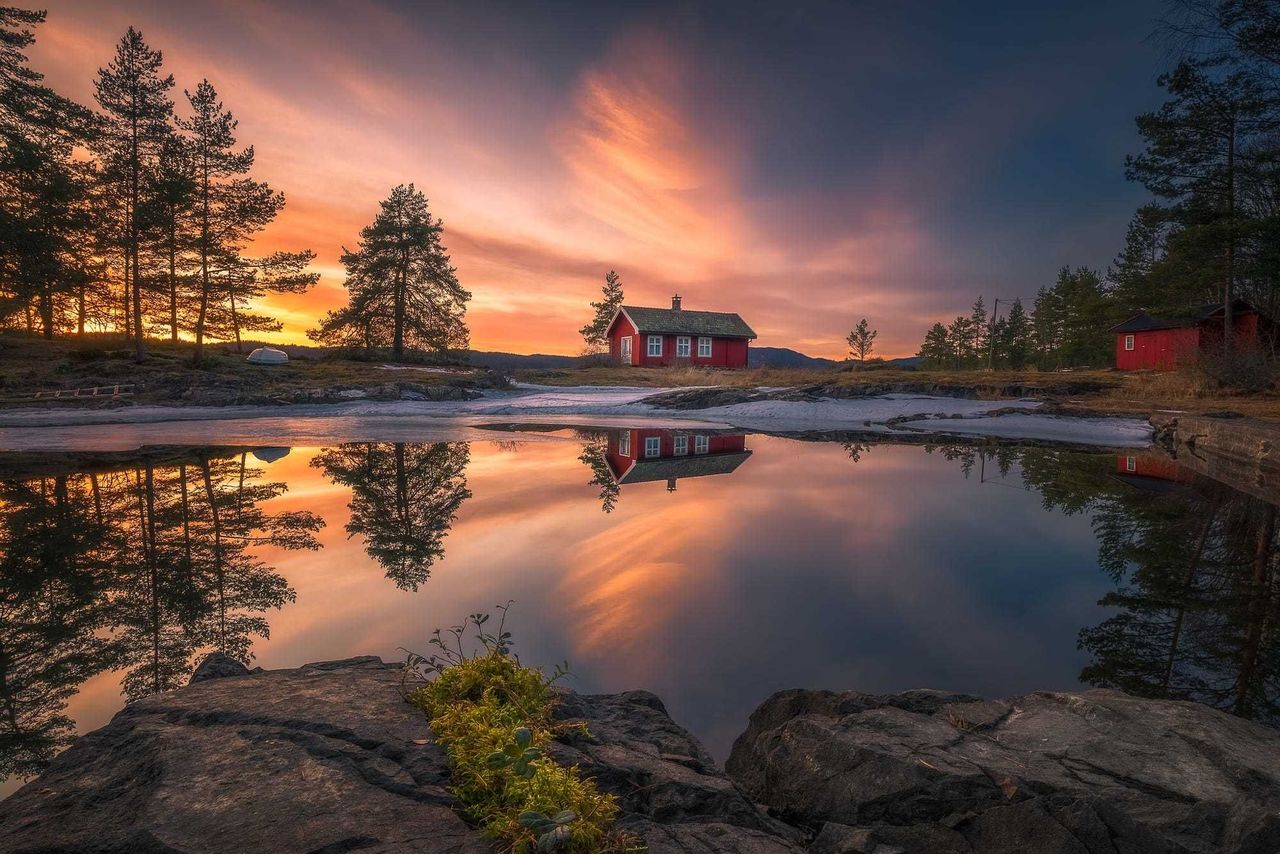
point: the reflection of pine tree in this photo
(594, 447)
(1196, 607)
(193, 582)
(1196, 588)
(404, 498)
(55, 569)
(138, 568)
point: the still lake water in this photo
(712, 569)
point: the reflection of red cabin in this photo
(644, 456)
(1146, 341)
(674, 336)
(1151, 472)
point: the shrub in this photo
(1250, 369)
(494, 718)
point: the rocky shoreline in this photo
(328, 758)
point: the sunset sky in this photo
(802, 164)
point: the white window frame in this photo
(654, 341)
(684, 346)
(652, 447)
(701, 444)
(681, 445)
(704, 348)
(624, 443)
(1128, 342)
(1131, 464)
(625, 348)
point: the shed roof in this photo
(669, 321)
(1146, 322)
(666, 468)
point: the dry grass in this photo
(1188, 390)
(30, 365)
(1138, 393)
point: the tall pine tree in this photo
(135, 97)
(403, 291)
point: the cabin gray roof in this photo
(668, 321)
(1146, 322)
(666, 468)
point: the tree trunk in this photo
(173, 281)
(1259, 608)
(397, 343)
(139, 345)
(219, 570)
(198, 356)
(46, 314)
(235, 320)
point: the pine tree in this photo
(1016, 337)
(937, 350)
(979, 332)
(168, 224)
(135, 97)
(46, 217)
(403, 290)
(862, 340)
(1133, 279)
(596, 333)
(960, 334)
(1197, 147)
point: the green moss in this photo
(494, 718)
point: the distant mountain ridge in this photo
(757, 357)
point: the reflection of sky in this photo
(801, 569)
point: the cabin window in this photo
(701, 444)
(1128, 342)
(652, 446)
(704, 348)
(683, 347)
(655, 345)
(1130, 464)
(626, 349)
(624, 443)
(682, 445)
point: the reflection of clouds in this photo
(802, 568)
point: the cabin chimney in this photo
(675, 303)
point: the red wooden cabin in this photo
(654, 337)
(643, 456)
(1147, 341)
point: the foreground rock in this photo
(328, 758)
(1091, 773)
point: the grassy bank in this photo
(1139, 393)
(28, 366)
(167, 376)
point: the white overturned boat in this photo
(268, 356)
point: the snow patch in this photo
(585, 406)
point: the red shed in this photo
(673, 336)
(1147, 341)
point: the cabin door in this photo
(626, 349)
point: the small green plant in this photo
(494, 718)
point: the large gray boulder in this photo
(329, 758)
(1096, 772)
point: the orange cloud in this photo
(543, 185)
